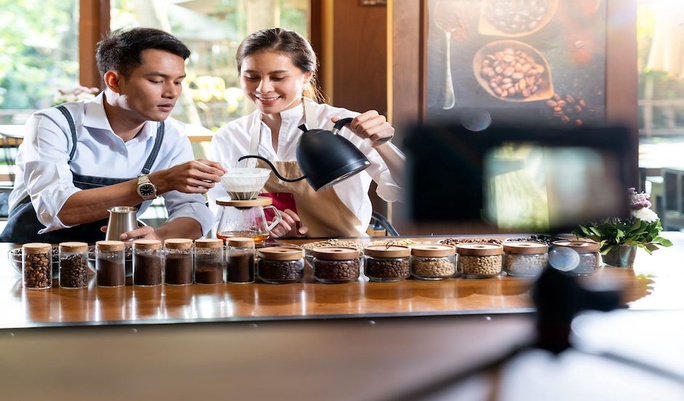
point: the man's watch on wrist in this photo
(146, 189)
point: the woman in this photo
(277, 70)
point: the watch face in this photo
(146, 190)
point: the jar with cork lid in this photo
(433, 261)
(333, 264)
(73, 265)
(241, 260)
(148, 265)
(178, 261)
(36, 259)
(575, 257)
(209, 261)
(525, 259)
(479, 260)
(279, 264)
(110, 263)
(387, 263)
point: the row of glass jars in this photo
(430, 261)
(183, 261)
(173, 262)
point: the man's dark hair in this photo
(122, 50)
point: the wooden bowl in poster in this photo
(511, 20)
(513, 71)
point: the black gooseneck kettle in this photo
(324, 157)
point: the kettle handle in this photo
(340, 124)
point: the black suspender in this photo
(150, 159)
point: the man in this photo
(120, 149)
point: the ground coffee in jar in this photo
(575, 257)
(479, 260)
(178, 261)
(110, 263)
(73, 265)
(36, 265)
(241, 260)
(525, 259)
(336, 264)
(278, 265)
(147, 262)
(209, 262)
(433, 261)
(387, 263)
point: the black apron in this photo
(23, 224)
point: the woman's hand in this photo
(290, 226)
(371, 125)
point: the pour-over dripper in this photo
(245, 183)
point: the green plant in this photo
(642, 228)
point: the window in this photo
(38, 55)
(212, 29)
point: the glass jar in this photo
(387, 263)
(280, 265)
(241, 264)
(575, 257)
(209, 262)
(433, 262)
(73, 265)
(479, 260)
(525, 259)
(178, 261)
(110, 263)
(147, 262)
(36, 259)
(336, 264)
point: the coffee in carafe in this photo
(246, 218)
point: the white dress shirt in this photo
(232, 141)
(45, 173)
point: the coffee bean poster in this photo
(540, 61)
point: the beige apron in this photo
(322, 212)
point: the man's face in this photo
(152, 89)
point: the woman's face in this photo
(272, 82)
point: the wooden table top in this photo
(653, 284)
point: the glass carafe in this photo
(245, 218)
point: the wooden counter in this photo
(653, 284)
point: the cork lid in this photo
(73, 247)
(433, 250)
(240, 242)
(475, 249)
(209, 243)
(387, 251)
(147, 244)
(33, 248)
(109, 245)
(258, 201)
(280, 253)
(335, 253)
(178, 243)
(580, 246)
(525, 247)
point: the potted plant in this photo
(619, 237)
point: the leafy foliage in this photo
(642, 228)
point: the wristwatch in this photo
(146, 189)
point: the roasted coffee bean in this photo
(567, 109)
(73, 271)
(280, 271)
(37, 270)
(387, 269)
(516, 16)
(513, 73)
(331, 271)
